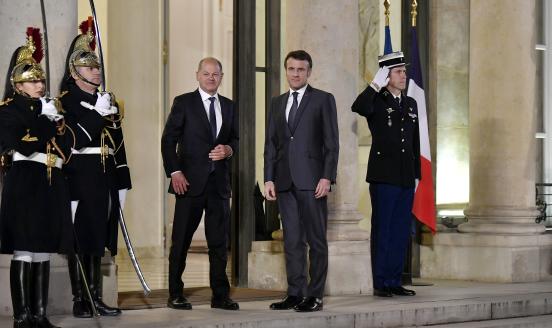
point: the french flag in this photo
(424, 196)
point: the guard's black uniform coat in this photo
(393, 166)
(93, 183)
(395, 152)
(35, 214)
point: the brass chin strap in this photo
(85, 80)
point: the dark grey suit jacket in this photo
(308, 151)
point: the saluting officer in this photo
(98, 174)
(393, 167)
(35, 217)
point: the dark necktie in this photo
(293, 110)
(213, 123)
(213, 118)
(398, 100)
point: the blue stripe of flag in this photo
(388, 48)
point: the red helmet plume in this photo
(34, 33)
(88, 25)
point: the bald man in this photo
(200, 137)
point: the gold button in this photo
(402, 150)
(402, 129)
(402, 140)
(379, 153)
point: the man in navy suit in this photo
(200, 137)
(300, 158)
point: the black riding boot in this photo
(20, 287)
(95, 283)
(40, 281)
(81, 306)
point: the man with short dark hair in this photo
(393, 167)
(300, 158)
(203, 125)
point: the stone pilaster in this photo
(501, 241)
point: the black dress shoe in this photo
(310, 304)
(383, 292)
(224, 303)
(287, 303)
(401, 291)
(179, 303)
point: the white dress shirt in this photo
(206, 103)
(300, 92)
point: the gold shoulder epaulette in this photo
(4, 103)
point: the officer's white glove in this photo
(102, 106)
(49, 110)
(381, 79)
(122, 198)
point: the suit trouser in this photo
(187, 216)
(391, 223)
(304, 219)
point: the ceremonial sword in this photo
(122, 223)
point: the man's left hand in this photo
(322, 189)
(220, 152)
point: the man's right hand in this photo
(381, 79)
(270, 191)
(179, 183)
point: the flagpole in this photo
(387, 13)
(414, 12)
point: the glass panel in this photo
(260, 108)
(260, 33)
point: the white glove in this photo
(102, 106)
(381, 79)
(74, 205)
(122, 198)
(49, 110)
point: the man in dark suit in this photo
(203, 126)
(300, 158)
(393, 167)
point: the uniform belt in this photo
(93, 151)
(50, 160)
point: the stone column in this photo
(501, 241)
(331, 36)
(502, 118)
(15, 17)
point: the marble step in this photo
(530, 309)
(544, 321)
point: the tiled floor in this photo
(156, 270)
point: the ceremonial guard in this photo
(393, 167)
(35, 216)
(98, 174)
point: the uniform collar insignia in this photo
(386, 93)
(412, 115)
(390, 110)
(410, 108)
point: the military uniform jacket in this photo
(94, 180)
(35, 212)
(395, 152)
